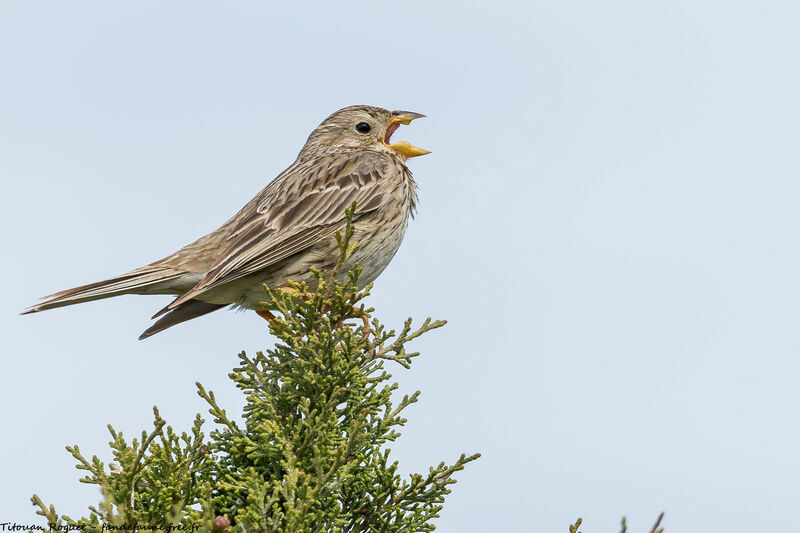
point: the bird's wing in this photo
(305, 204)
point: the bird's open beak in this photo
(402, 147)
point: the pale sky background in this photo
(608, 219)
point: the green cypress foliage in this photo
(310, 453)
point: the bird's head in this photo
(363, 127)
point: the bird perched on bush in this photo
(289, 227)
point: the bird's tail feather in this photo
(185, 311)
(145, 280)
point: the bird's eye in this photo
(363, 127)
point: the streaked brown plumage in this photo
(289, 227)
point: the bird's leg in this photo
(269, 317)
(364, 319)
(266, 315)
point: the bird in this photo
(289, 228)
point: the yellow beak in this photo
(402, 147)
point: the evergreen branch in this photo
(420, 489)
(147, 439)
(220, 416)
(656, 528)
(398, 346)
(95, 467)
(309, 452)
(49, 513)
(346, 247)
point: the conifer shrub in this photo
(309, 452)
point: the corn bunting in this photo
(289, 227)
